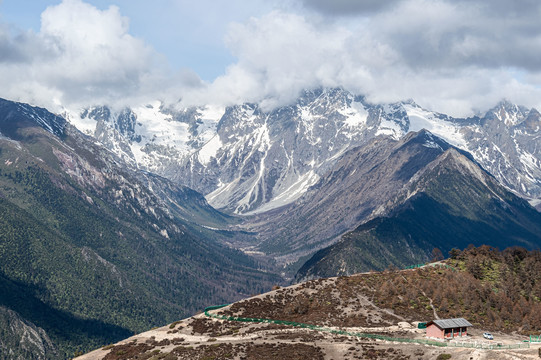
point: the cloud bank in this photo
(458, 57)
(80, 56)
(454, 56)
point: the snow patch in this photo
(356, 115)
(534, 202)
(530, 161)
(209, 150)
(291, 194)
(155, 126)
(390, 128)
(432, 145)
(216, 198)
(424, 119)
(87, 125)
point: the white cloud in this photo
(454, 56)
(279, 55)
(83, 55)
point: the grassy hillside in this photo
(500, 291)
(497, 290)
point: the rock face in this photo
(246, 160)
(21, 339)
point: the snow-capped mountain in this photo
(506, 141)
(153, 137)
(259, 161)
(247, 160)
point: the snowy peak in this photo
(247, 159)
(391, 120)
(505, 141)
(442, 125)
(153, 136)
(508, 113)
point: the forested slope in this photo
(89, 253)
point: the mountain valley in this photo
(115, 222)
(92, 250)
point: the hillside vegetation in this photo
(496, 291)
(499, 290)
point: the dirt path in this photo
(432, 306)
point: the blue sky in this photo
(455, 56)
(189, 33)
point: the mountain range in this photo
(113, 222)
(247, 160)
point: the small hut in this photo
(447, 328)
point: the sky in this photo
(459, 57)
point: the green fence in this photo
(319, 328)
(535, 339)
(363, 335)
(487, 346)
(416, 266)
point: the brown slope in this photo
(450, 204)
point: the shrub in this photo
(443, 357)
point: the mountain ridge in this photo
(246, 160)
(451, 203)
